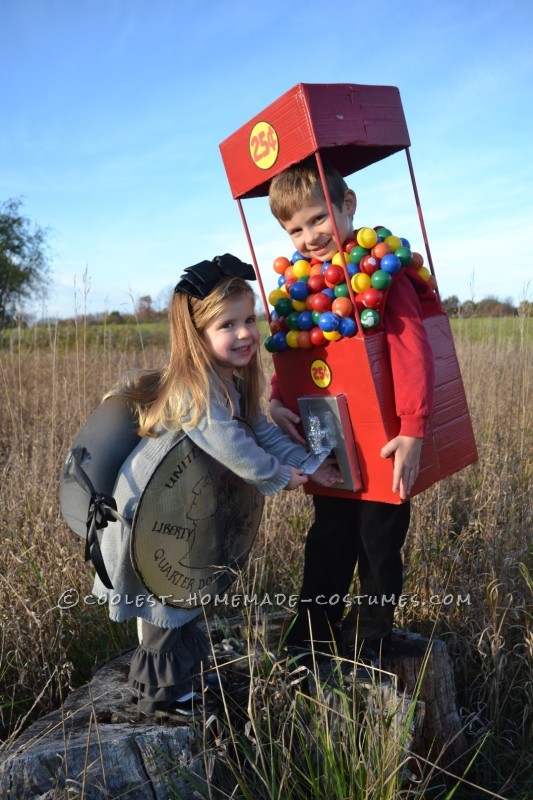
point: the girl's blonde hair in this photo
(180, 393)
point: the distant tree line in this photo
(488, 307)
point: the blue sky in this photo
(113, 111)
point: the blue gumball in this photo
(299, 290)
(325, 265)
(405, 242)
(298, 257)
(282, 280)
(329, 292)
(280, 341)
(347, 327)
(352, 269)
(305, 321)
(328, 321)
(390, 263)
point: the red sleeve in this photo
(275, 393)
(411, 358)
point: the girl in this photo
(212, 375)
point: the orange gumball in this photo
(381, 249)
(417, 261)
(316, 269)
(304, 340)
(281, 264)
(342, 306)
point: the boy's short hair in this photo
(295, 186)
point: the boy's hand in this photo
(328, 473)
(287, 420)
(297, 478)
(406, 452)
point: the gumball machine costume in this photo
(327, 339)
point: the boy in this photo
(348, 532)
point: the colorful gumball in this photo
(316, 283)
(329, 292)
(282, 280)
(316, 269)
(432, 282)
(367, 237)
(394, 242)
(405, 255)
(381, 249)
(334, 275)
(372, 298)
(309, 301)
(280, 341)
(292, 320)
(321, 302)
(347, 327)
(370, 318)
(315, 315)
(369, 264)
(270, 344)
(349, 244)
(296, 256)
(301, 268)
(275, 295)
(405, 242)
(283, 306)
(357, 253)
(281, 264)
(305, 320)
(360, 282)
(342, 306)
(332, 336)
(424, 273)
(381, 280)
(304, 340)
(383, 233)
(328, 321)
(292, 339)
(341, 290)
(337, 258)
(417, 260)
(299, 290)
(317, 337)
(299, 305)
(390, 263)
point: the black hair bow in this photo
(199, 280)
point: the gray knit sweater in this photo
(265, 464)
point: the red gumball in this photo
(316, 283)
(274, 325)
(309, 302)
(334, 275)
(372, 298)
(369, 264)
(321, 302)
(317, 338)
(349, 244)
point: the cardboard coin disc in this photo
(193, 527)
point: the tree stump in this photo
(97, 745)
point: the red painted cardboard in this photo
(352, 126)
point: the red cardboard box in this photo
(352, 127)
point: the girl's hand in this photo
(287, 420)
(328, 473)
(298, 477)
(406, 452)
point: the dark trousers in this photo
(345, 534)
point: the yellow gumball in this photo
(366, 237)
(275, 294)
(301, 268)
(424, 273)
(292, 339)
(394, 243)
(337, 259)
(361, 282)
(332, 336)
(299, 305)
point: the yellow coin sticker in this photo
(264, 145)
(320, 373)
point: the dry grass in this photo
(469, 539)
